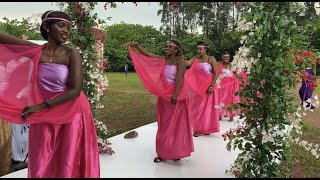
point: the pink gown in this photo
(204, 115)
(226, 93)
(174, 134)
(62, 139)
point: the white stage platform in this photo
(133, 158)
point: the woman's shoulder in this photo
(180, 60)
(212, 58)
(71, 50)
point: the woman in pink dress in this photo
(201, 78)
(163, 77)
(41, 86)
(229, 85)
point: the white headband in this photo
(175, 46)
(47, 15)
(57, 18)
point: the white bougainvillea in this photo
(274, 138)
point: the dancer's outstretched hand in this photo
(131, 44)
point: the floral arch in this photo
(276, 59)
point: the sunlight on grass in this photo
(119, 81)
(127, 105)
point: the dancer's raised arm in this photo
(8, 39)
(141, 49)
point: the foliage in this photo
(267, 112)
(84, 37)
(18, 28)
(149, 37)
(216, 20)
(119, 34)
(189, 43)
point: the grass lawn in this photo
(317, 91)
(127, 104)
(301, 163)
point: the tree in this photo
(217, 20)
(18, 28)
(119, 34)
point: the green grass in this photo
(127, 104)
(317, 90)
(300, 163)
(119, 82)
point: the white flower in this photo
(85, 5)
(301, 4)
(259, 55)
(304, 104)
(317, 10)
(303, 143)
(243, 39)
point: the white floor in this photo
(133, 158)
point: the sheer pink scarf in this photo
(19, 88)
(152, 76)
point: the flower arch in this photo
(275, 58)
(89, 38)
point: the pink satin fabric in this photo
(226, 93)
(205, 119)
(62, 139)
(174, 134)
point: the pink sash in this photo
(151, 74)
(19, 88)
(204, 115)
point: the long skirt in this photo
(204, 115)
(174, 135)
